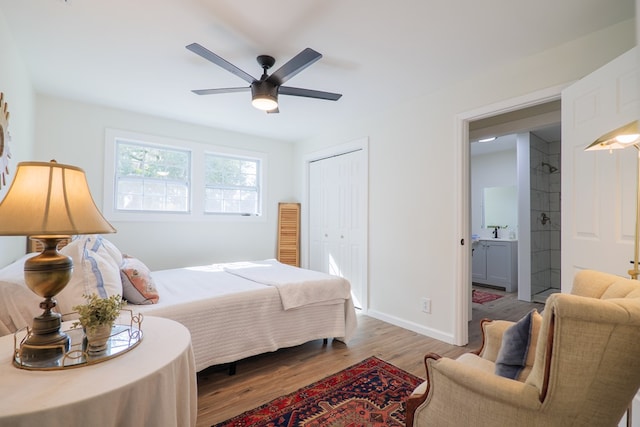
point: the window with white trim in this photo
(231, 185)
(152, 178)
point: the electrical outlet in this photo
(426, 305)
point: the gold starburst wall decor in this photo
(5, 138)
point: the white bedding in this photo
(18, 304)
(297, 287)
(230, 317)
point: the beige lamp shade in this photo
(48, 198)
(623, 137)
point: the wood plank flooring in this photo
(262, 378)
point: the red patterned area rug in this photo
(480, 297)
(371, 393)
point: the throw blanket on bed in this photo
(297, 287)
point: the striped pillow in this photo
(96, 270)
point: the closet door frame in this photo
(362, 145)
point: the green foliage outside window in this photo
(155, 178)
(151, 162)
(150, 178)
(231, 185)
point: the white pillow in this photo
(96, 270)
(14, 272)
(18, 306)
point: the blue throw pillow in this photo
(512, 357)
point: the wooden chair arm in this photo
(416, 400)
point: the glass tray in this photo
(123, 338)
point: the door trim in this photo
(462, 203)
(361, 144)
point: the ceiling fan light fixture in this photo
(264, 96)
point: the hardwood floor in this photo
(262, 378)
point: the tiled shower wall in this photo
(545, 198)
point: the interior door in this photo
(336, 226)
(598, 188)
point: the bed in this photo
(232, 310)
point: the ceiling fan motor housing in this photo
(264, 91)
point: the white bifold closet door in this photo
(336, 227)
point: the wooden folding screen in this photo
(289, 233)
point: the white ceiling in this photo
(131, 54)
(551, 133)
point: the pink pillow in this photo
(137, 284)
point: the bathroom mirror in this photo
(500, 206)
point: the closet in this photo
(337, 218)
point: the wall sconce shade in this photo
(622, 137)
(264, 95)
(50, 199)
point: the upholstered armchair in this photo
(582, 369)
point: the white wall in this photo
(74, 133)
(490, 170)
(20, 99)
(412, 230)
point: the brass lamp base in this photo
(45, 340)
(46, 275)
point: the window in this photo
(231, 185)
(149, 178)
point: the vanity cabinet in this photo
(495, 262)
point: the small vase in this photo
(97, 338)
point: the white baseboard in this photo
(422, 330)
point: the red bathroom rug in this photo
(480, 297)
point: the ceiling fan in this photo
(265, 90)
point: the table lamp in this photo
(49, 202)
(623, 137)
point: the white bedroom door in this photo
(337, 230)
(599, 188)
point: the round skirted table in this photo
(153, 384)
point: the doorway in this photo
(515, 201)
(519, 110)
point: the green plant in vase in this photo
(97, 317)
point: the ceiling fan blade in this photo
(219, 61)
(308, 93)
(222, 90)
(294, 66)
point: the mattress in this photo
(231, 317)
